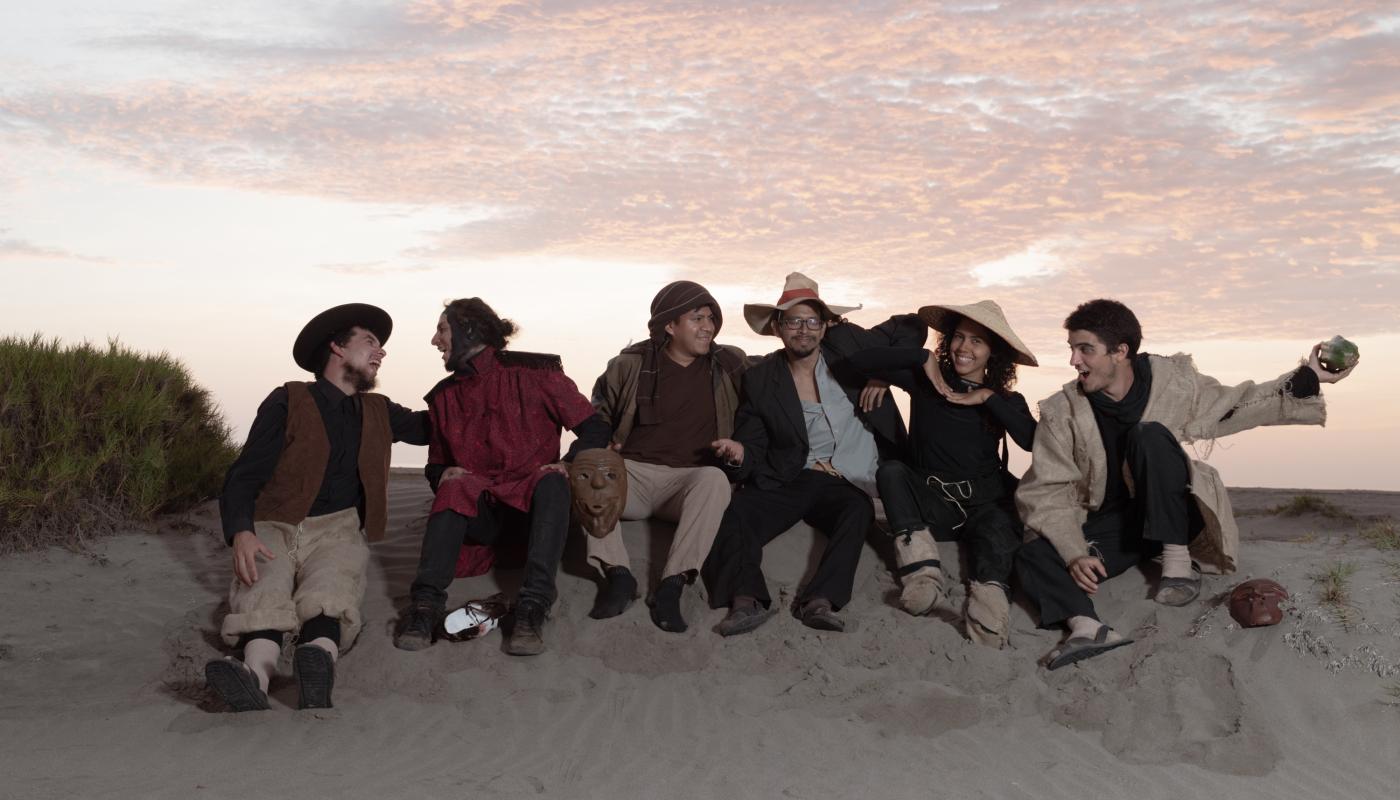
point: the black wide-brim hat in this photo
(334, 320)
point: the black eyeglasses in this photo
(796, 323)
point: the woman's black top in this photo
(951, 440)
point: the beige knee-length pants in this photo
(319, 569)
(694, 498)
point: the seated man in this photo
(666, 400)
(309, 487)
(1109, 484)
(806, 450)
(492, 463)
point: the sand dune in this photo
(101, 687)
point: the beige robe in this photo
(1068, 473)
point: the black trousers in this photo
(1162, 511)
(548, 526)
(756, 517)
(987, 520)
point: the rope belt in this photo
(963, 489)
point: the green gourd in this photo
(1338, 354)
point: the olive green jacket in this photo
(1068, 473)
(615, 394)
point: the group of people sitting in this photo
(735, 450)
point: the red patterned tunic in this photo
(500, 424)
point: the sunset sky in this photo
(202, 178)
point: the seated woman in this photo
(961, 408)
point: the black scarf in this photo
(1115, 418)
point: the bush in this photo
(91, 438)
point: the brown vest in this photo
(296, 480)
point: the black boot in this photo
(415, 630)
(617, 595)
(525, 638)
(666, 604)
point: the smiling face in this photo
(969, 348)
(442, 337)
(1099, 368)
(359, 358)
(802, 340)
(691, 334)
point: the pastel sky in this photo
(202, 178)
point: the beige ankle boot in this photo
(987, 615)
(923, 586)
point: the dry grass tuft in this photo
(1382, 534)
(1310, 504)
(1334, 590)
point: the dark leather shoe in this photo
(525, 638)
(665, 605)
(817, 613)
(619, 593)
(744, 618)
(416, 628)
(314, 670)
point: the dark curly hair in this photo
(1001, 368)
(1111, 321)
(472, 313)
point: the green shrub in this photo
(93, 437)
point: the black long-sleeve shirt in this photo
(340, 487)
(947, 438)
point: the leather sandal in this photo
(1179, 591)
(1078, 648)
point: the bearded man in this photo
(493, 463)
(808, 438)
(307, 491)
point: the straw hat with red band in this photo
(798, 288)
(987, 314)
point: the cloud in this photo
(1038, 261)
(375, 268)
(12, 249)
(1222, 158)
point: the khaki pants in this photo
(694, 498)
(319, 569)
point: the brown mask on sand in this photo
(598, 479)
(1255, 603)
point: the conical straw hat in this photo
(987, 314)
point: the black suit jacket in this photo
(769, 423)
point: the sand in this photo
(102, 694)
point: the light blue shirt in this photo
(836, 435)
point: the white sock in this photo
(1176, 561)
(328, 645)
(1088, 628)
(1083, 627)
(261, 657)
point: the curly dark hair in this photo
(1111, 321)
(1001, 367)
(472, 313)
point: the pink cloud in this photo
(1218, 165)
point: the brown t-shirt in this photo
(686, 407)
